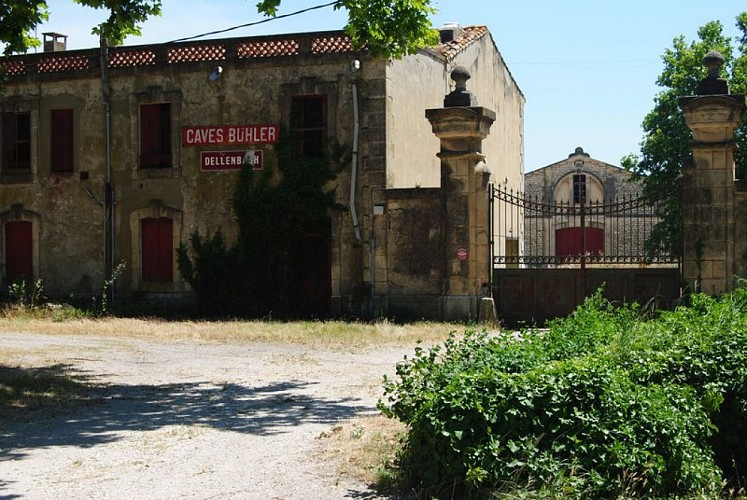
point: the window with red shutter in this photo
(61, 140)
(155, 135)
(157, 249)
(19, 253)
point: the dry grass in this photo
(319, 333)
(362, 447)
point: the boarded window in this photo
(568, 241)
(16, 142)
(157, 249)
(155, 135)
(309, 123)
(61, 140)
(19, 255)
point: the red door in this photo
(158, 249)
(568, 241)
(315, 278)
(19, 251)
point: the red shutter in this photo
(19, 251)
(62, 140)
(155, 135)
(157, 249)
(568, 241)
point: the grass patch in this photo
(34, 388)
(366, 450)
(318, 333)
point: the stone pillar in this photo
(708, 215)
(461, 126)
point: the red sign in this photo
(227, 135)
(461, 253)
(231, 160)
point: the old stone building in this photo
(117, 155)
(615, 226)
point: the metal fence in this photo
(532, 232)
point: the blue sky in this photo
(588, 68)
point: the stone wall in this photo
(259, 77)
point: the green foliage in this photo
(604, 404)
(667, 142)
(276, 211)
(19, 17)
(26, 294)
(26, 300)
(102, 306)
(212, 271)
(124, 19)
(385, 28)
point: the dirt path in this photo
(189, 420)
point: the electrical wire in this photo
(255, 23)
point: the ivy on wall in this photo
(276, 209)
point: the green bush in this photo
(603, 404)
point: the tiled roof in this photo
(470, 34)
(211, 50)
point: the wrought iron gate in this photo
(549, 255)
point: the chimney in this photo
(450, 32)
(54, 42)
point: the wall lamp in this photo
(215, 74)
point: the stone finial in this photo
(579, 151)
(460, 96)
(712, 84)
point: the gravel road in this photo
(180, 419)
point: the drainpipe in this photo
(354, 162)
(108, 187)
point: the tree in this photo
(667, 142)
(18, 18)
(389, 28)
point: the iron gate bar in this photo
(625, 221)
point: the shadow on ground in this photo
(103, 412)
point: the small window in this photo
(579, 188)
(309, 123)
(61, 140)
(19, 262)
(155, 135)
(157, 236)
(16, 142)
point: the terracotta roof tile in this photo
(449, 50)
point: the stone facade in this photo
(68, 225)
(578, 178)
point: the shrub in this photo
(605, 403)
